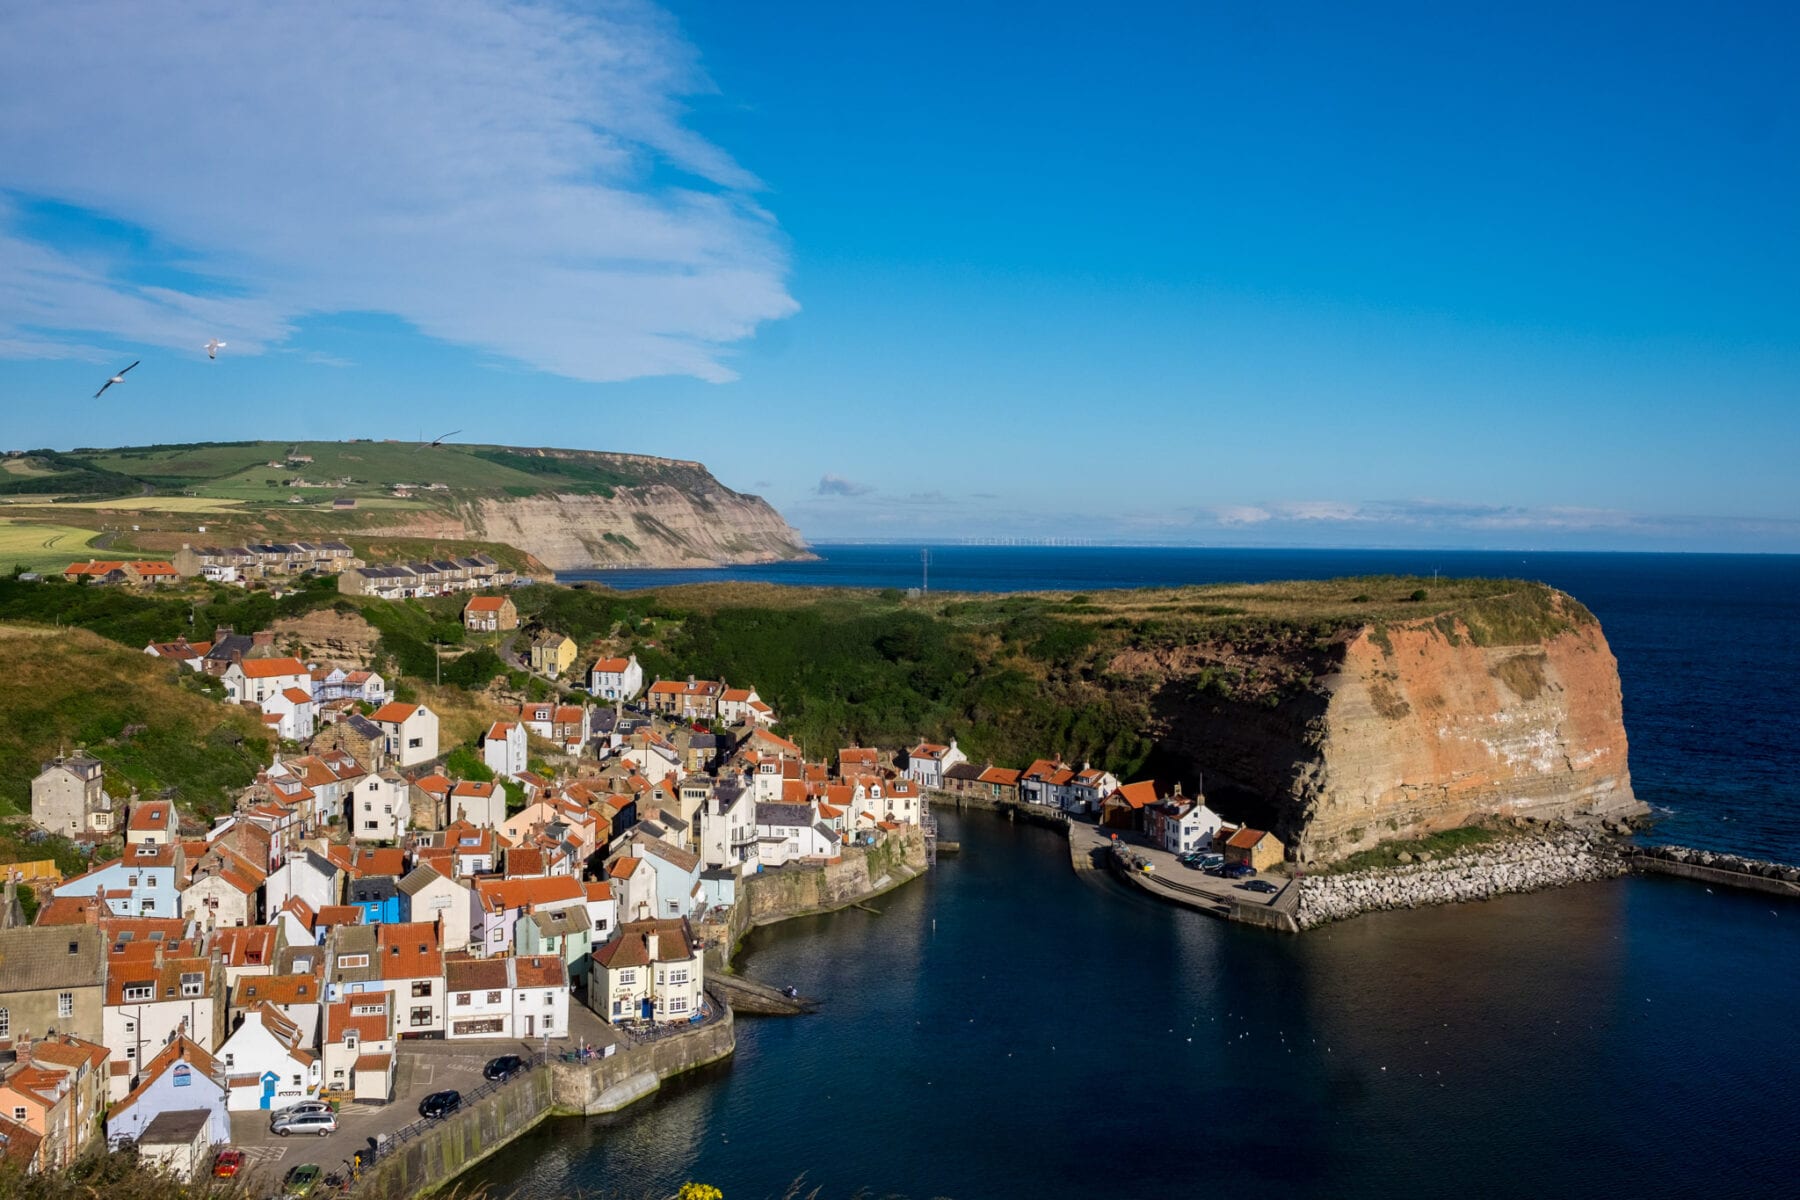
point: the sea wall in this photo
(453, 1145)
(1523, 865)
(1726, 870)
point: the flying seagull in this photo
(119, 378)
(438, 441)
(213, 346)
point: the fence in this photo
(388, 1143)
(643, 1033)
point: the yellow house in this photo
(552, 654)
(1260, 849)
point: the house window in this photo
(678, 975)
(65, 1004)
(139, 992)
(421, 988)
(353, 960)
(549, 997)
(19, 1113)
(5, 1023)
(371, 825)
(493, 997)
(678, 1004)
(421, 1016)
(462, 999)
(192, 984)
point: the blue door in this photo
(649, 1010)
(269, 1080)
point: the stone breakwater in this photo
(1688, 856)
(1525, 865)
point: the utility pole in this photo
(925, 581)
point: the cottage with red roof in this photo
(519, 996)
(411, 731)
(927, 762)
(615, 678)
(359, 1052)
(1256, 847)
(503, 748)
(693, 700)
(55, 1088)
(254, 680)
(490, 614)
(380, 806)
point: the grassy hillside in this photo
(155, 726)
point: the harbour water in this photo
(1007, 1029)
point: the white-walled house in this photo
(268, 1063)
(786, 832)
(428, 895)
(69, 797)
(307, 876)
(478, 803)
(520, 996)
(358, 1047)
(183, 1077)
(1180, 826)
(651, 971)
(380, 807)
(503, 748)
(728, 827)
(411, 731)
(293, 711)
(254, 680)
(615, 678)
(927, 762)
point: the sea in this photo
(1007, 1028)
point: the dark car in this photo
(1259, 885)
(439, 1104)
(504, 1067)
(1236, 871)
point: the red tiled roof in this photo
(394, 712)
(486, 603)
(1137, 795)
(270, 668)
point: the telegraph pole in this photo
(925, 560)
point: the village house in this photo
(144, 572)
(926, 763)
(564, 933)
(183, 1078)
(410, 730)
(380, 807)
(564, 724)
(615, 678)
(359, 1051)
(1255, 847)
(490, 614)
(792, 832)
(652, 971)
(268, 1062)
(1124, 808)
(145, 882)
(298, 995)
(255, 680)
(307, 876)
(290, 712)
(69, 797)
(1047, 782)
(411, 960)
(223, 890)
(55, 982)
(734, 705)
(152, 823)
(56, 1088)
(1089, 789)
(429, 798)
(677, 873)
(478, 803)
(1002, 784)
(514, 997)
(158, 990)
(1181, 826)
(503, 748)
(695, 700)
(502, 903)
(428, 895)
(552, 653)
(187, 654)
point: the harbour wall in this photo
(453, 1145)
(1721, 870)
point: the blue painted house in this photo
(380, 899)
(145, 883)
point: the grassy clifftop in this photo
(154, 725)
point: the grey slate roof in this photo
(768, 813)
(52, 957)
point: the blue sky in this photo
(1306, 274)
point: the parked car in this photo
(302, 1180)
(228, 1164)
(308, 1106)
(440, 1104)
(1259, 885)
(504, 1067)
(1237, 871)
(286, 1123)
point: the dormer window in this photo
(146, 851)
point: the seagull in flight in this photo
(119, 378)
(438, 441)
(213, 346)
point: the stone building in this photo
(69, 797)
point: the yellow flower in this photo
(699, 1191)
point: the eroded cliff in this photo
(1394, 730)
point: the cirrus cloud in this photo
(510, 176)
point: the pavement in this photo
(1181, 882)
(426, 1066)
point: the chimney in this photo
(650, 940)
(262, 638)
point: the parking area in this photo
(425, 1066)
(1186, 880)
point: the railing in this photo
(387, 1144)
(645, 1032)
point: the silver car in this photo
(288, 1122)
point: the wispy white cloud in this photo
(514, 177)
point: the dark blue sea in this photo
(1005, 1028)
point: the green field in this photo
(42, 547)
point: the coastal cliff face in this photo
(653, 525)
(1407, 729)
